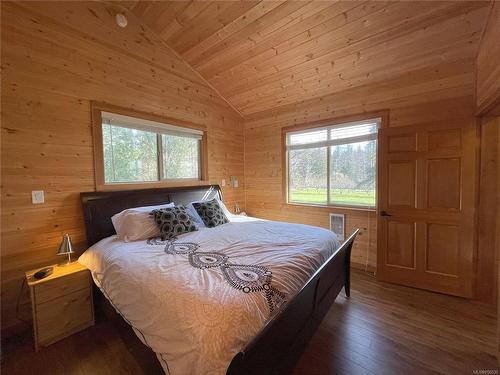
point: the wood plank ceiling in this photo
(262, 55)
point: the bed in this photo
(241, 298)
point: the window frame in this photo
(382, 116)
(100, 183)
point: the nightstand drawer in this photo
(63, 316)
(61, 286)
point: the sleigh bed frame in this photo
(278, 346)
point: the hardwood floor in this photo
(390, 329)
(381, 329)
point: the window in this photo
(135, 150)
(333, 165)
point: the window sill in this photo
(152, 184)
(336, 207)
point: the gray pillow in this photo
(211, 213)
(173, 221)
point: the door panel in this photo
(401, 244)
(442, 249)
(426, 193)
(448, 138)
(403, 142)
(443, 183)
(401, 183)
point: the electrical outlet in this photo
(223, 182)
(37, 197)
(234, 181)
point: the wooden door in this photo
(426, 197)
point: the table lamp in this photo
(66, 248)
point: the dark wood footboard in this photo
(277, 348)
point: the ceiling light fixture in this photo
(121, 20)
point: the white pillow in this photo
(194, 215)
(134, 224)
(198, 221)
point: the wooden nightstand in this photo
(61, 303)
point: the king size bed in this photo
(239, 298)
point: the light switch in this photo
(223, 182)
(37, 197)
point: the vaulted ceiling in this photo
(262, 55)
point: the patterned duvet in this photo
(199, 299)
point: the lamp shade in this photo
(65, 247)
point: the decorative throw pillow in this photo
(211, 213)
(173, 221)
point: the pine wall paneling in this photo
(488, 105)
(489, 214)
(498, 238)
(487, 269)
(56, 58)
(489, 220)
(488, 65)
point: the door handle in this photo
(383, 213)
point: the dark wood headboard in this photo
(98, 207)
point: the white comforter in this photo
(196, 319)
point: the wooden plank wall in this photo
(487, 210)
(488, 65)
(489, 201)
(498, 245)
(493, 123)
(438, 94)
(488, 105)
(56, 58)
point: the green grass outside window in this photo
(340, 197)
